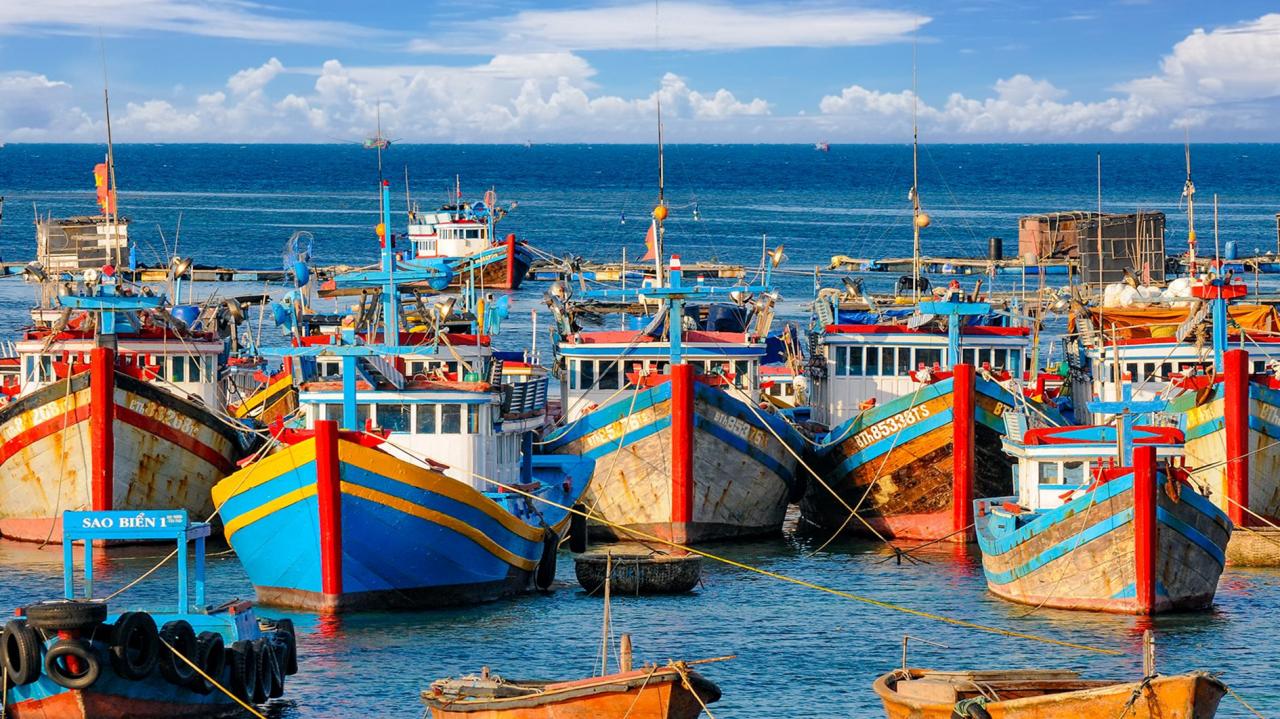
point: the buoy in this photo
(922, 220)
(660, 213)
(381, 229)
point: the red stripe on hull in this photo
(42, 430)
(169, 434)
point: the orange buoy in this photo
(922, 220)
(381, 229)
(660, 213)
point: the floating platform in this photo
(638, 569)
(549, 271)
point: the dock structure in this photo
(550, 270)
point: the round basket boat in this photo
(638, 570)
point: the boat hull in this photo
(1206, 445)
(1189, 696)
(743, 474)
(164, 451)
(894, 464)
(350, 527)
(1083, 554)
(500, 267)
(638, 694)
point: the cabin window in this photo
(887, 360)
(1015, 361)
(842, 361)
(608, 374)
(473, 419)
(905, 364)
(1259, 367)
(451, 419)
(364, 412)
(662, 368)
(855, 361)
(1149, 370)
(1048, 472)
(928, 357)
(873, 362)
(395, 417)
(586, 374)
(1075, 472)
(635, 369)
(425, 419)
(742, 370)
(1131, 369)
(179, 373)
(1166, 370)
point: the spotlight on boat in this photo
(445, 308)
(235, 312)
(852, 287)
(740, 297)
(559, 290)
(776, 257)
(90, 277)
(35, 271)
(180, 266)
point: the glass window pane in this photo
(1048, 472)
(363, 413)
(473, 419)
(855, 361)
(886, 360)
(586, 374)
(179, 368)
(842, 358)
(450, 419)
(193, 369)
(904, 360)
(426, 419)
(1073, 472)
(873, 362)
(608, 374)
(394, 417)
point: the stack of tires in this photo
(82, 643)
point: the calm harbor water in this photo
(800, 652)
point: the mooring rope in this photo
(247, 707)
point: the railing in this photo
(524, 398)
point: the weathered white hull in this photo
(166, 452)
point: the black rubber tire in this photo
(211, 657)
(289, 636)
(271, 659)
(244, 670)
(65, 615)
(545, 572)
(179, 635)
(977, 711)
(63, 649)
(20, 653)
(268, 665)
(135, 646)
(578, 529)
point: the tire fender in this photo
(135, 646)
(57, 664)
(20, 652)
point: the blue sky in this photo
(989, 70)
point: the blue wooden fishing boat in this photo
(1104, 520)
(915, 401)
(463, 235)
(670, 410)
(76, 659)
(411, 483)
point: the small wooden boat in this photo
(1052, 694)
(673, 691)
(638, 569)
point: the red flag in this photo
(651, 242)
(106, 197)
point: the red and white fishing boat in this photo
(463, 234)
(117, 406)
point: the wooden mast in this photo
(112, 199)
(918, 219)
(659, 213)
(1189, 191)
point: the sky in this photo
(733, 72)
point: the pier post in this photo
(1145, 530)
(511, 262)
(329, 502)
(681, 449)
(102, 446)
(1235, 410)
(962, 431)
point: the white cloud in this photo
(32, 107)
(215, 18)
(686, 25)
(256, 78)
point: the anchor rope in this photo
(247, 707)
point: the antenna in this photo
(918, 219)
(112, 199)
(408, 204)
(1189, 192)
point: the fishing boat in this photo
(913, 403)
(116, 406)
(463, 234)
(673, 691)
(1191, 344)
(411, 482)
(1043, 694)
(1105, 519)
(75, 658)
(668, 413)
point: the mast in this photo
(408, 203)
(918, 219)
(1189, 191)
(112, 200)
(659, 212)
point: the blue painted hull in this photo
(1082, 555)
(745, 472)
(410, 537)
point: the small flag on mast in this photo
(651, 242)
(106, 196)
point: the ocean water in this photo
(799, 652)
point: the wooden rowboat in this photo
(673, 691)
(1051, 694)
